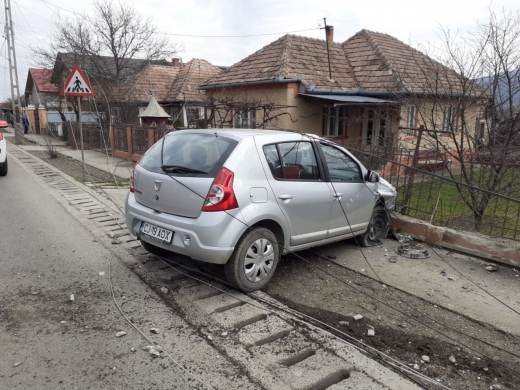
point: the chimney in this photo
(176, 62)
(329, 33)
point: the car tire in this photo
(377, 228)
(154, 250)
(247, 270)
(3, 168)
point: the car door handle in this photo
(285, 197)
(338, 195)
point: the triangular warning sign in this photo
(77, 84)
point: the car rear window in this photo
(201, 152)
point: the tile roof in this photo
(139, 87)
(190, 76)
(368, 60)
(384, 63)
(42, 79)
(169, 83)
(289, 56)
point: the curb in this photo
(489, 248)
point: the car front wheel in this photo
(377, 228)
(254, 260)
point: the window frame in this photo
(449, 119)
(317, 156)
(411, 119)
(334, 114)
(244, 115)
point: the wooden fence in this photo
(131, 142)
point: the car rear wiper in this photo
(180, 169)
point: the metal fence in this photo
(435, 187)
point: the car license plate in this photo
(156, 232)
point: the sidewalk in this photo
(98, 159)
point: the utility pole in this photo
(13, 72)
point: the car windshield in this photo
(189, 154)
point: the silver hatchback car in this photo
(243, 198)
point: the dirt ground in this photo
(74, 167)
(471, 345)
(406, 326)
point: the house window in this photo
(449, 122)
(334, 122)
(410, 122)
(245, 118)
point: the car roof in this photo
(246, 133)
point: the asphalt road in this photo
(48, 341)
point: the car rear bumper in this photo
(210, 238)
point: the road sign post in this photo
(77, 85)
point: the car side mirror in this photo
(372, 177)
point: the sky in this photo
(204, 28)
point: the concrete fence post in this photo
(130, 145)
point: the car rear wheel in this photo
(254, 260)
(155, 250)
(3, 168)
(377, 228)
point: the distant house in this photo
(39, 90)
(174, 86)
(373, 86)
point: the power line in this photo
(201, 36)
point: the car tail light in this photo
(221, 196)
(132, 184)
(1, 136)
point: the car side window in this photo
(342, 168)
(292, 161)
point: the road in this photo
(50, 342)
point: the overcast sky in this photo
(410, 21)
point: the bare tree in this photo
(471, 99)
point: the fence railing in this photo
(439, 190)
(131, 142)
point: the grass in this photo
(440, 203)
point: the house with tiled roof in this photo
(39, 90)
(367, 91)
(174, 86)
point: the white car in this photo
(3, 155)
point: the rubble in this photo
(343, 323)
(72, 299)
(17, 364)
(452, 359)
(357, 317)
(121, 334)
(402, 238)
(371, 332)
(425, 358)
(416, 366)
(164, 290)
(154, 330)
(102, 273)
(491, 267)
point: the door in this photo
(375, 122)
(351, 196)
(302, 193)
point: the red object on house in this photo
(3, 124)
(42, 79)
